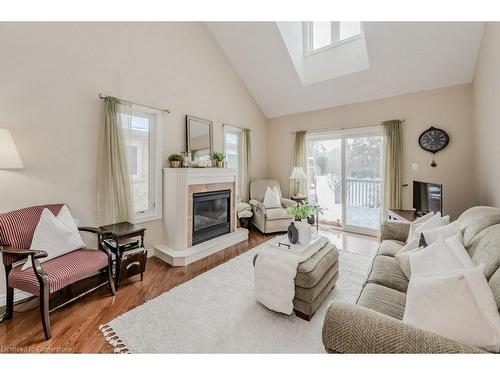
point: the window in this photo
(142, 133)
(321, 35)
(232, 149)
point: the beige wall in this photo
(486, 108)
(448, 108)
(51, 77)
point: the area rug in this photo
(217, 312)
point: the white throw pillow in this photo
(416, 223)
(455, 243)
(55, 235)
(402, 255)
(445, 231)
(272, 198)
(436, 257)
(434, 222)
(457, 304)
(277, 191)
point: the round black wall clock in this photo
(433, 140)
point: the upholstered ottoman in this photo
(315, 278)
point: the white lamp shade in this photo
(9, 157)
(298, 174)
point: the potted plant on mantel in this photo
(218, 157)
(175, 160)
(299, 230)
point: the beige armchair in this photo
(269, 220)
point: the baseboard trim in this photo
(18, 296)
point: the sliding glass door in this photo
(345, 177)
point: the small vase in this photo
(175, 163)
(304, 230)
(293, 233)
(220, 164)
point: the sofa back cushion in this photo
(258, 188)
(475, 219)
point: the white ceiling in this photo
(404, 57)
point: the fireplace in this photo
(211, 215)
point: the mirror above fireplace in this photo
(198, 138)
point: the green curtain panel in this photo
(299, 159)
(114, 198)
(393, 164)
(246, 158)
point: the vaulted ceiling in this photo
(403, 57)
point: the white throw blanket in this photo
(275, 271)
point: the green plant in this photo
(303, 211)
(218, 156)
(175, 157)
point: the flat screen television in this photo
(427, 197)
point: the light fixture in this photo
(297, 175)
(9, 157)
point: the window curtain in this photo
(245, 172)
(393, 164)
(114, 197)
(299, 160)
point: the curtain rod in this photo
(102, 96)
(340, 128)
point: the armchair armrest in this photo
(257, 206)
(394, 230)
(285, 202)
(36, 254)
(355, 329)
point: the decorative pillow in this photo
(277, 191)
(457, 304)
(55, 235)
(436, 257)
(434, 222)
(272, 198)
(402, 255)
(432, 235)
(416, 223)
(455, 243)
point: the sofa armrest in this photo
(394, 230)
(285, 202)
(257, 206)
(36, 254)
(355, 329)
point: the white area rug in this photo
(217, 312)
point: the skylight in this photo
(322, 35)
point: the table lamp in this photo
(296, 176)
(9, 157)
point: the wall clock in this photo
(433, 140)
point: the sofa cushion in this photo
(390, 247)
(475, 219)
(61, 271)
(383, 300)
(277, 214)
(485, 248)
(386, 271)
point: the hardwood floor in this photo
(74, 327)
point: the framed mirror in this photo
(198, 138)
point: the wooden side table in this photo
(126, 266)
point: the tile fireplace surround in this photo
(179, 185)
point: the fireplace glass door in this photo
(211, 215)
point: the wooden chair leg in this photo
(111, 280)
(44, 311)
(9, 308)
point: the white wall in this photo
(52, 73)
(486, 94)
(447, 108)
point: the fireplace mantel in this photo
(179, 185)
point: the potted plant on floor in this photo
(218, 157)
(300, 230)
(175, 160)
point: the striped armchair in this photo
(16, 233)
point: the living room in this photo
(295, 175)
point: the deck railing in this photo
(363, 192)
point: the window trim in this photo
(155, 162)
(233, 129)
(308, 37)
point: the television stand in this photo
(407, 216)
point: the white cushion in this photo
(434, 222)
(272, 198)
(457, 304)
(455, 243)
(436, 257)
(416, 223)
(402, 255)
(55, 235)
(444, 231)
